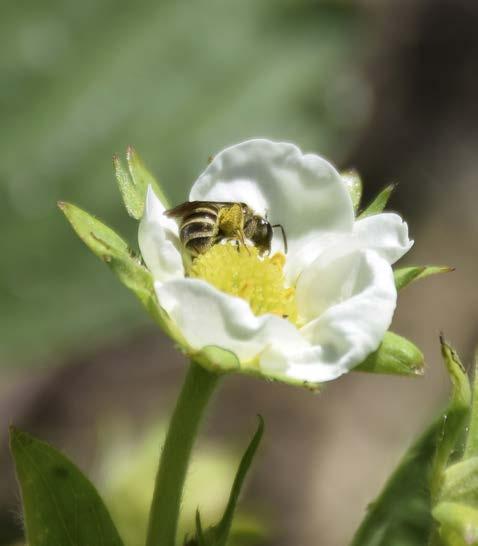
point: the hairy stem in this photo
(163, 518)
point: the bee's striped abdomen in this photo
(199, 229)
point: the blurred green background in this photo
(179, 80)
(386, 86)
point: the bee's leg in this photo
(240, 238)
(236, 241)
(230, 220)
(231, 223)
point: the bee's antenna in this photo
(284, 238)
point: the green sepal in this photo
(218, 534)
(379, 203)
(459, 523)
(133, 183)
(112, 249)
(354, 185)
(396, 355)
(131, 198)
(61, 506)
(217, 359)
(116, 253)
(406, 275)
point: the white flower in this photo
(313, 315)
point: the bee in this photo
(203, 224)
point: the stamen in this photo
(241, 272)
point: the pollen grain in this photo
(241, 272)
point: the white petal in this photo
(307, 251)
(303, 192)
(158, 241)
(385, 233)
(205, 316)
(353, 296)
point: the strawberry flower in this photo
(304, 316)
(307, 316)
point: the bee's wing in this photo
(182, 210)
(191, 206)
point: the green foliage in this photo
(197, 389)
(61, 507)
(402, 514)
(396, 355)
(460, 483)
(218, 535)
(471, 449)
(112, 249)
(129, 466)
(115, 252)
(130, 193)
(354, 185)
(379, 203)
(134, 184)
(406, 275)
(454, 418)
(459, 524)
(85, 79)
(456, 491)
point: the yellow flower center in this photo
(243, 273)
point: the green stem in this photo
(163, 518)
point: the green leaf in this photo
(244, 532)
(200, 538)
(461, 391)
(354, 185)
(471, 449)
(218, 534)
(406, 275)
(452, 430)
(459, 523)
(455, 416)
(401, 514)
(396, 355)
(134, 184)
(379, 203)
(116, 253)
(224, 526)
(61, 507)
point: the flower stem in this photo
(163, 518)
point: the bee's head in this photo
(262, 235)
